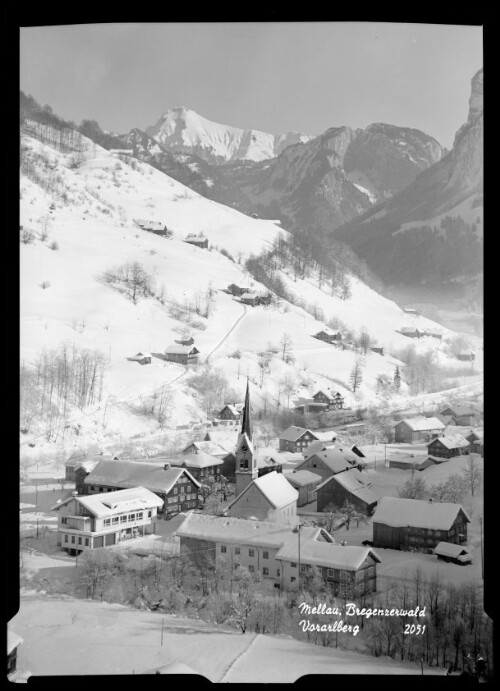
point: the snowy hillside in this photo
(183, 129)
(87, 208)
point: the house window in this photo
(86, 542)
(149, 514)
(107, 521)
(176, 490)
(116, 519)
(293, 565)
(278, 573)
(265, 555)
(92, 488)
(223, 549)
(64, 520)
(188, 488)
(251, 568)
(79, 540)
(72, 539)
(251, 552)
(265, 571)
(139, 516)
(329, 572)
(303, 568)
(292, 579)
(236, 550)
(131, 517)
(65, 538)
(123, 519)
(101, 489)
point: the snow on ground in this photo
(113, 639)
(369, 194)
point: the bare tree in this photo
(356, 376)
(264, 360)
(288, 386)
(472, 474)
(286, 345)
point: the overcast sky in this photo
(274, 77)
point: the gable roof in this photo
(275, 488)
(211, 448)
(459, 410)
(452, 441)
(352, 481)
(300, 478)
(196, 460)
(421, 424)
(179, 349)
(242, 531)
(401, 513)
(323, 393)
(448, 549)
(294, 433)
(334, 459)
(234, 410)
(109, 503)
(346, 558)
(127, 474)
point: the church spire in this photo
(246, 424)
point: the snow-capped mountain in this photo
(432, 230)
(184, 130)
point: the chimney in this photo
(166, 466)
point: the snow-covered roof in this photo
(421, 424)
(199, 459)
(459, 410)
(352, 481)
(300, 478)
(477, 434)
(401, 513)
(126, 474)
(151, 225)
(448, 549)
(140, 355)
(452, 441)
(317, 446)
(346, 558)
(335, 459)
(249, 296)
(110, 503)
(87, 465)
(232, 408)
(179, 349)
(275, 488)
(241, 531)
(210, 447)
(293, 433)
(409, 459)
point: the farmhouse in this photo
(328, 336)
(100, 520)
(202, 466)
(417, 429)
(296, 439)
(273, 551)
(412, 311)
(377, 349)
(330, 462)
(305, 406)
(305, 483)
(449, 446)
(346, 486)
(410, 332)
(187, 341)
(141, 358)
(250, 299)
(462, 414)
(446, 551)
(403, 523)
(197, 240)
(237, 290)
(72, 463)
(466, 357)
(412, 462)
(153, 227)
(176, 487)
(268, 498)
(183, 354)
(208, 447)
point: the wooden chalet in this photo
(346, 486)
(328, 337)
(202, 466)
(476, 441)
(236, 290)
(296, 439)
(466, 357)
(176, 486)
(331, 461)
(251, 299)
(207, 446)
(449, 446)
(414, 523)
(188, 341)
(231, 412)
(197, 240)
(183, 354)
(308, 406)
(153, 227)
(377, 349)
(412, 462)
(417, 429)
(305, 483)
(333, 401)
(411, 332)
(463, 415)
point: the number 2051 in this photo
(417, 629)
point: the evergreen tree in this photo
(397, 379)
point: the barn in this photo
(411, 462)
(449, 446)
(196, 240)
(305, 483)
(296, 439)
(183, 354)
(417, 524)
(346, 486)
(446, 551)
(417, 429)
(141, 358)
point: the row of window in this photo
(187, 489)
(183, 497)
(124, 518)
(251, 552)
(73, 540)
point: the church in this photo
(267, 498)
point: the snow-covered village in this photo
(251, 369)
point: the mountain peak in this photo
(476, 97)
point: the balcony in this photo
(78, 523)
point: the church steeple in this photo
(245, 461)
(246, 423)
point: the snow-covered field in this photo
(94, 229)
(65, 636)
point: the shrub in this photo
(54, 245)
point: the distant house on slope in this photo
(141, 358)
(197, 240)
(328, 336)
(296, 439)
(207, 446)
(231, 412)
(377, 349)
(412, 311)
(237, 290)
(306, 406)
(334, 401)
(411, 332)
(183, 354)
(187, 341)
(251, 299)
(417, 429)
(155, 227)
(466, 357)
(403, 523)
